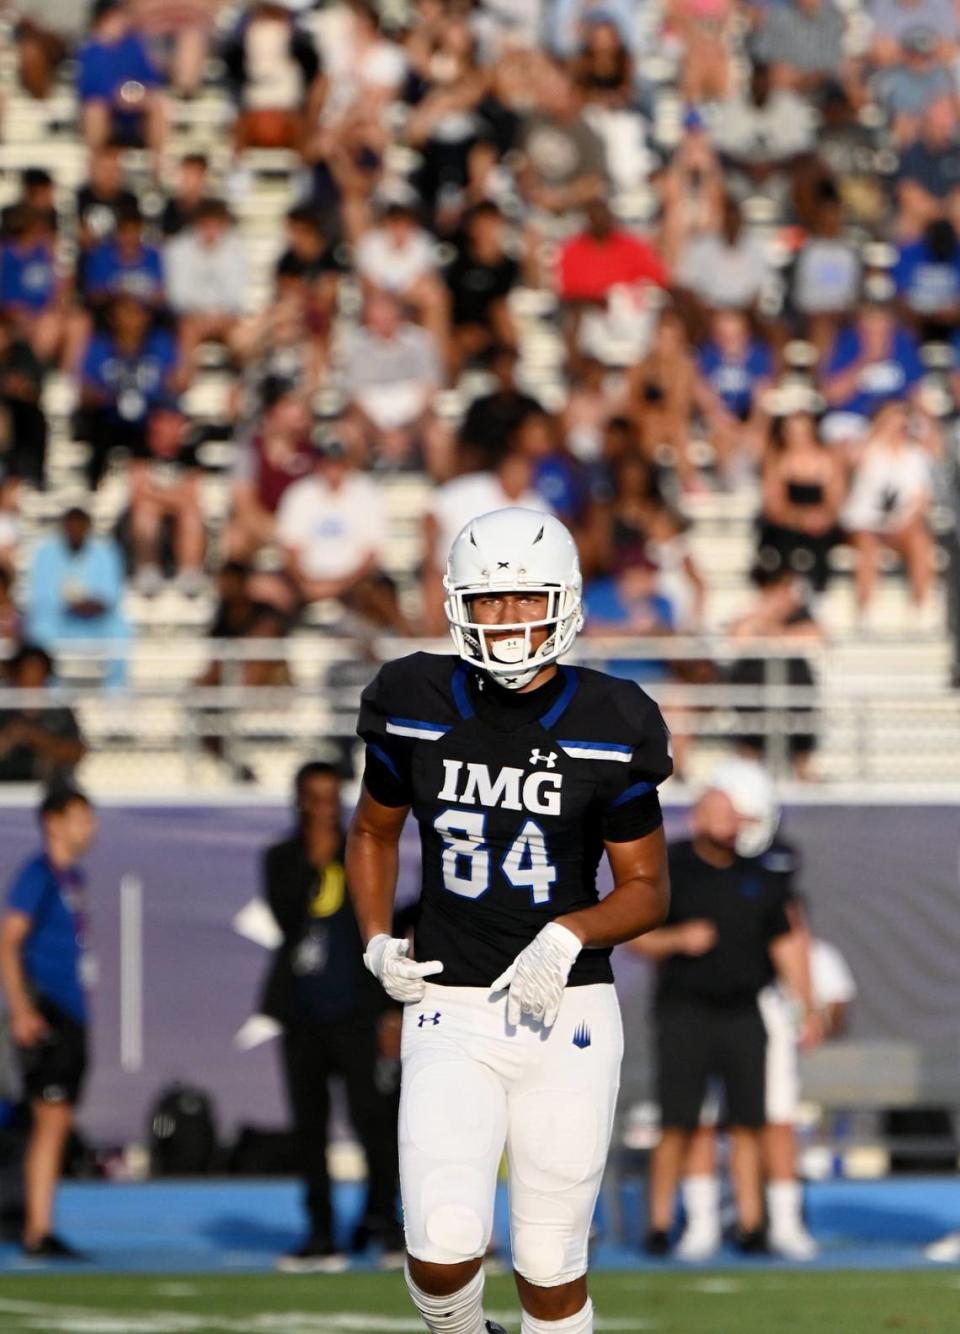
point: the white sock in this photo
(701, 1203)
(581, 1323)
(785, 1205)
(459, 1313)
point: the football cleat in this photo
(698, 1244)
(793, 1243)
(657, 1243)
(52, 1247)
(751, 1243)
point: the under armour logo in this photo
(428, 1019)
(503, 565)
(581, 1036)
(550, 759)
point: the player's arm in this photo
(639, 900)
(373, 858)
(26, 1024)
(790, 954)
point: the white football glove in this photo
(400, 977)
(538, 975)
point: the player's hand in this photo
(811, 1032)
(538, 975)
(697, 937)
(28, 1027)
(400, 977)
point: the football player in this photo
(520, 773)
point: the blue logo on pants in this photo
(431, 1019)
(581, 1036)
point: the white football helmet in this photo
(754, 797)
(511, 551)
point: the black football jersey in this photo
(515, 795)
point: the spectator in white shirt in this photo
(398, 257)
(391, 372)
(826, 277)
(454, 505)
(206, 277)
(759, 132)
(888, 506)
(726, 269)
(333, 529)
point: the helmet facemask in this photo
(512, 660)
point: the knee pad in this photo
(539, 1257)
(448, 1215)
(549, 1244)
(456, 1228)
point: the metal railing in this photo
(865, 716)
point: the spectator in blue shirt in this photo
(872, 362)
(125, 262)
(630, 604)
(126, 369)
(734, 369)
(29, 288)
(556, 473)
(927, 275)
(118, 83)
(75, 591)
(42, 939)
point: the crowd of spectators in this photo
(749, 245)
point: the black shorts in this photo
(54, 1070)
(697, 1042)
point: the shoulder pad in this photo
(414, 690)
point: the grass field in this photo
(742, 1303)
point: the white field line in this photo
(45, 1316)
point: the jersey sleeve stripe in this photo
(596, 750)
(380, 754)
(637, 790)
(416, 728)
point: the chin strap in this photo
(514, 682)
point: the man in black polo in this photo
(727, 924)
(334, 1022)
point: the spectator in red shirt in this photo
(600, 258)
(278, 453)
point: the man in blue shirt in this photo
(125, 263)
(734, 369)
(927, 275)
(41, 947)
(29, 288)
(872, 362)
(118, 84)
(125, 370)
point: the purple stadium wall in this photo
(882, 882)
